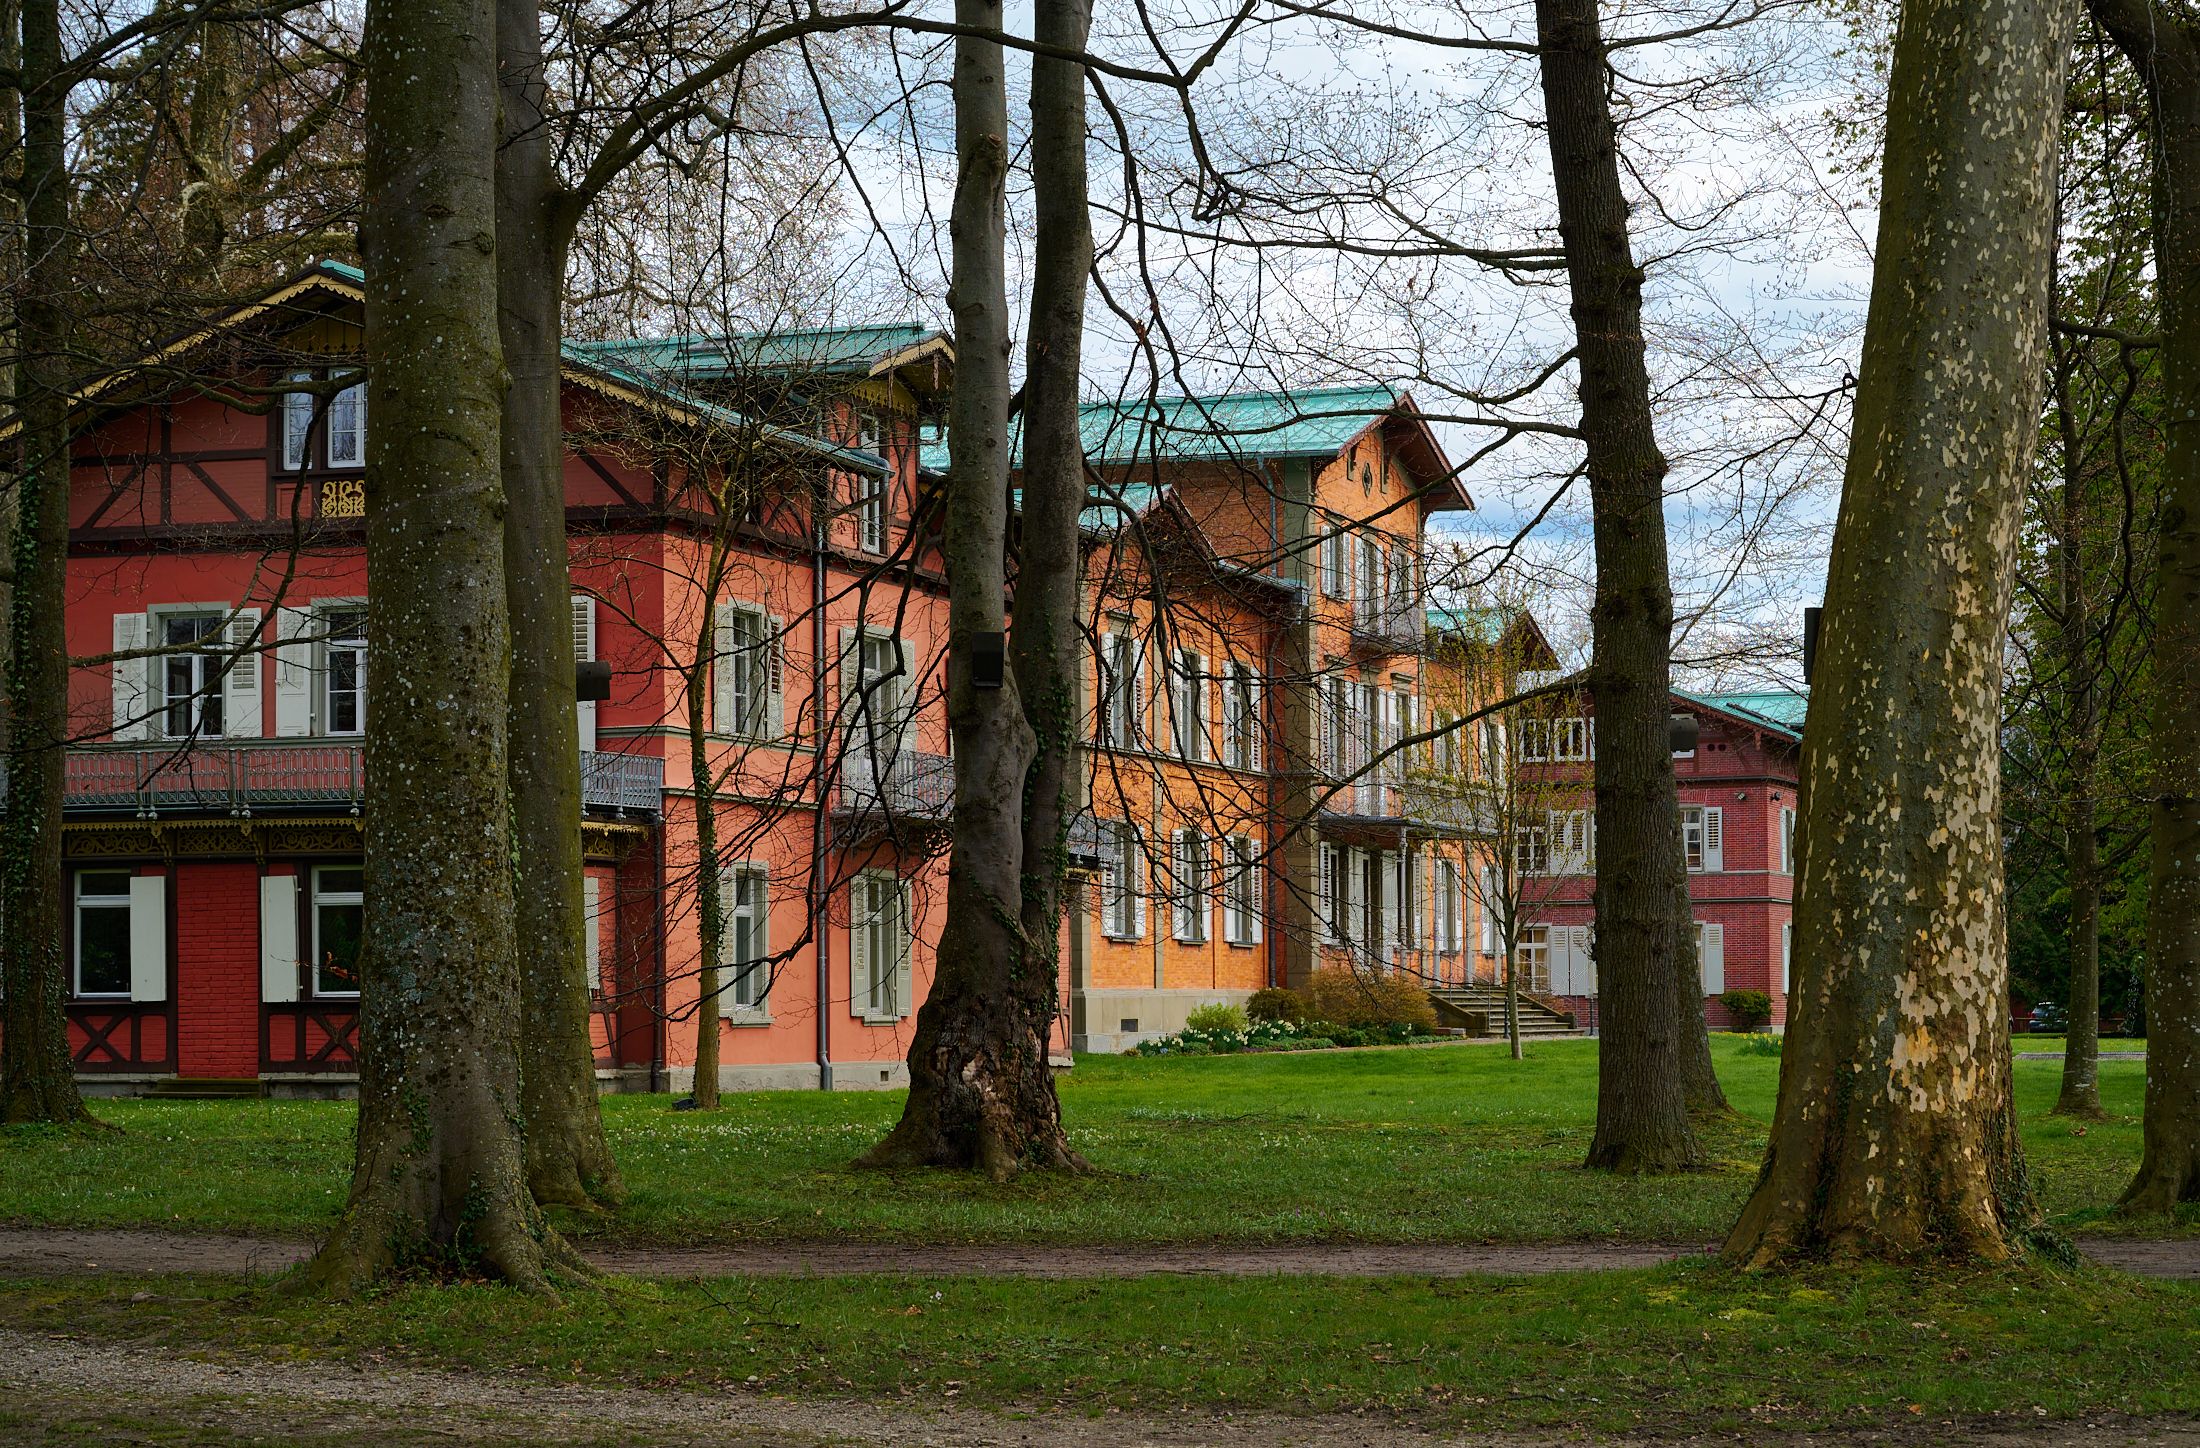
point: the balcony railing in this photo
(240, 778)
(1389, 625)
(877, 792)
(1443, 807)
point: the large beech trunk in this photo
(2163, 43)
(438, 1177)
(1896, 1134)
(1642, 1100)
(37, 1073)
(981, 1090)
(569, 1162)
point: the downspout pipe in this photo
(821, 939)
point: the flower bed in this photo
(1278, 1036)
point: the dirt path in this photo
(30, 1252)
(62, 1390)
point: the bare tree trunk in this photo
(2081, 1076)
(2165, 49)
(710, 909)
(439, 1175)
(569, 1162)
(1512, 999)
(1642, 1108)
(981, 1090)
(37, 1074)
(1896, 1133)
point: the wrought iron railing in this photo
(1389, 625)
(238, 778)
(879, 790)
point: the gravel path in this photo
(31, 1252)
(57, 1387)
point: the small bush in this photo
(1353, 998)
(1749, 1009)
(1275, 1004)
(1216, 1018)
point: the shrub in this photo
(1216, 1018)
(1276, 1004)
(1352, 998)
(1765, 1044)
(1749, 1008)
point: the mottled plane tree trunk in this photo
(1896, 1133)
(2163, 44)
(1642, 1098)
(37, 1073)
(981, 1090)
(569, 1162)
(439, 1176)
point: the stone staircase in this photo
(1479, 1010)
(206, 1088)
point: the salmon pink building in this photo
(754, 527)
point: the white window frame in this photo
(1118, 683)
(1241, 902)
(872, 894)
(871, 512)
(1122, 890)
(1532, 849)
(1188, 706)
(325, 613)
(1191, 898)
(747, 662)
(1703, 838)
(207, 667)
(347, 416)
(1573, 740)
(1449, 912)
(745, 891)
(1532, 957)
(295, 435)
(1241, 721)
(1787, 841)
(78, 905)
(316, 897)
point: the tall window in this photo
(1119, 689)
(347, 427)
(1534, 962)
(297, 417)
(339, 920)
(1188, 705)
(1447, 907)
(1787, 842)
(747, 950)
(1573, 741)
(871, 513)
(1191, 895)
(1703, 837)
(1241, 718)
(1532, 847)
(191, 682)
(878, 931)
(1241, 892)
(345, 706)
(742, 657)
(103, 932)
(1333, 551)
(1121, 883)
(882, 692)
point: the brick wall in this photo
(217, 954)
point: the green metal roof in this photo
(833, 351)
(1780, 710)
(1313, 422)
(612, 361)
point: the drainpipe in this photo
(821, 939)
(658, 1028)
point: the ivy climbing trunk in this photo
(2163, 44)
(439, 1178)
(37, 1072)
(1642, 1099)
(1896, 1133)
(981, 1089)
(569, 1161)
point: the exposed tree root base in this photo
(1628, 1159)
(2085, 1107)
(2161, 1189)
(562, 1184)
(998, 1153)
(508, 1244)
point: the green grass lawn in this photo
(1432, 1143)
(1685, 1347)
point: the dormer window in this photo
(322, 432)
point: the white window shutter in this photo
(1326, 927)
(1713, 950)
(278, 938)
(1136, 884)
(1256, 728)
(1389, 922)
(1256, 868)
(293, 672)
(1787, 958)
(1104, 686)
(859, 946)
(904, 936)
(591, 929)
(584, 648)
(1585, 965)
(241, 716)
(131, 704)
(905, 701)
(1492, 893)
(148, 938)
(1355, 896)
(1328, 712)
(725, 708)
(1714, 839)
(775, 675)
(761, 875)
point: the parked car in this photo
(2049, 1018)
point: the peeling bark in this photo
(1642, 1100)
(1896, 1134)
(569, 1161)
(2163, 44)
(439, 1177)
(981, 1090)
(37, 1073)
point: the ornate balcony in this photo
(889, 793)
(241, 777)
(1388, 626)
